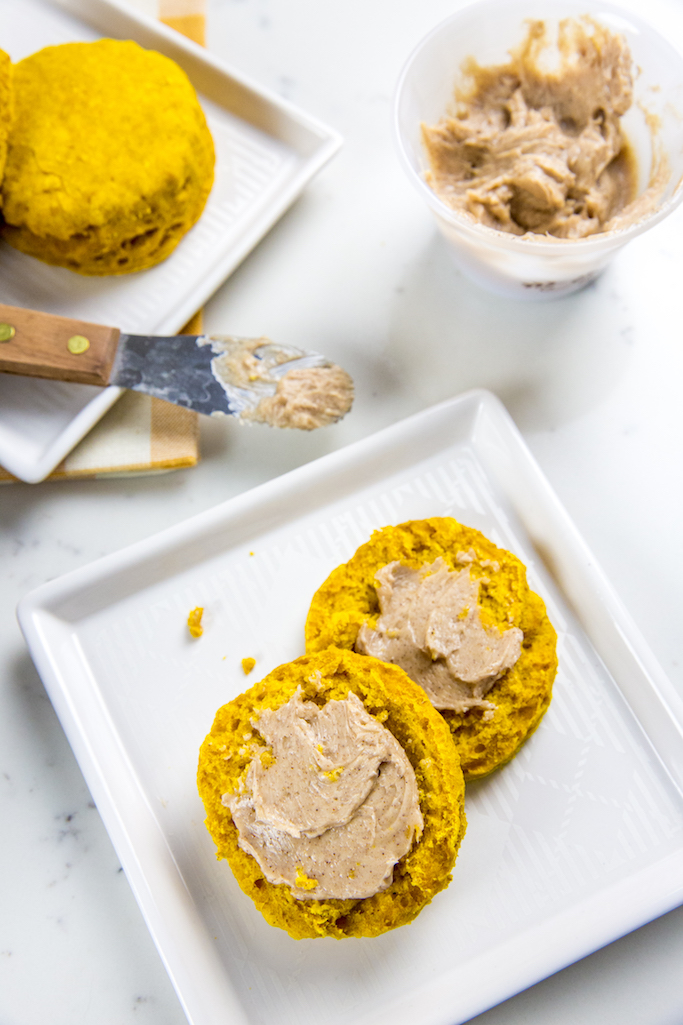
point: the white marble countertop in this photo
(355, 270)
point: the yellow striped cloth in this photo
(187, 16)
(140, 434)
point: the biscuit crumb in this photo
(302, 880)
(247, 665)
(267, 759)
(194, 622)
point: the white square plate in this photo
(266, 152)
(574, 843)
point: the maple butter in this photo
(331, 804)
(430, 625)
(303, 397)
(539, 148)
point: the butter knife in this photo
(253, 379)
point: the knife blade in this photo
(250, 378)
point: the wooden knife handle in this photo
(42, 345)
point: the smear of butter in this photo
(334, 807)
(261, 389)
(430, 625)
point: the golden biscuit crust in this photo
(348, 598)
(110, 158)
(403, 708)
(6, 107)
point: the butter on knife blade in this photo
(254, 379)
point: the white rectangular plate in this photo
(266, 152)
(574, 843)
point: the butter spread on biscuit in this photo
(430, 625)
(539, 148)
(336, 804)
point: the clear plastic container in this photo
(539, 266)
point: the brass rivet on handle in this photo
(7, 332)
(78, 344)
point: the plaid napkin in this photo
(187, 16)
(140, 434)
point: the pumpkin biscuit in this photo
(389, 696)
(110, 158)
(348, 598)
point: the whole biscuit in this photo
(110, 158)
(348, 598)
(403, 708)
